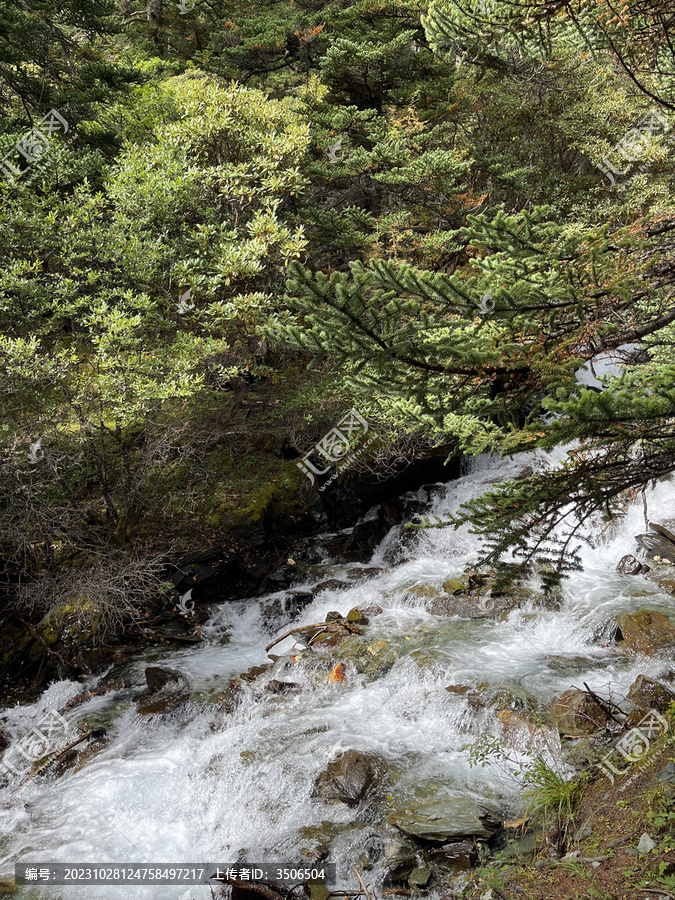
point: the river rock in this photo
(646, 631)
(331, 584)
(157, 678)
(657, 546)
(356, 616)
(628, 565)
(255, 672)
(349, 777)
(455, 857)
(662, 530)
(160, 704)
(372, 610)
(442, 821)
(419, 877)
(576, 712)
(282, 687)
(646, 694)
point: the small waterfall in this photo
(201, 784)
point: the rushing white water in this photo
(199, 785)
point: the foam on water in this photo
(200, 786)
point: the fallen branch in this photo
(335, 627)
(293, 631)
(360, 880)
(94, 733)
(603, 704)
(662, 891)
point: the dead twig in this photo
(294, 631)
(603, 704)
(360, 880)
(58, 753)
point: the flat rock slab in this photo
(657, 545)
(447, 820)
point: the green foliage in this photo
(549, 795)
(99, 359)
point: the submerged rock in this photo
(159, 704)
(350, 777)
(576, 712)
(646, 631)
(158, 678)
(444, 820)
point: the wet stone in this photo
(646, 631)
(255, 672)
(629, 565)
(646, 694)
(356, 617)
(161, 704)
(282, 687)
(443, 820)
(349, 777)
(657, 546)
(419, 877)
(455, 857)
(575, 713)
(157, 678)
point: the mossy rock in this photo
(646, 631)
(423, 591)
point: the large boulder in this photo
(349, 777)
(450, 819)
(646, 631)
(657, 546)
(646, 695)
(576, 712)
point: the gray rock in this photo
(349, 777)
(446, 820)
(662, 530)
(419, 878)
(656, 545)
(281, 687)
(645, 844)
(668, 774)
(158, 678)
